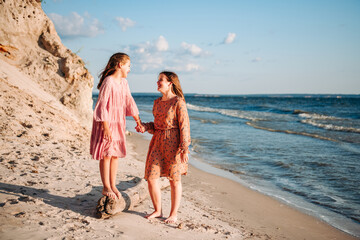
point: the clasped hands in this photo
(184, 156)
(140, 127)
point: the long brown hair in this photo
(174, 79)
(111, 65)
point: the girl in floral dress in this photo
(169, 146)
(108, 132)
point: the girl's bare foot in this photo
(155, 214)
(171, 219)
(116, 191)
(109, 193)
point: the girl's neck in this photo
(117, 75)
(168, 95)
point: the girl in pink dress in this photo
(108, 132)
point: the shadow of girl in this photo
(84, 204)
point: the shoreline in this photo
(334, 220)
(246, 208)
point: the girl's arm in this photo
(101, 111)
(131, 108)
(184, 126)
(139, 125)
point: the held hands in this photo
(139, 127)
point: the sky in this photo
(220, 47)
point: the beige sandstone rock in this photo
(28, 40)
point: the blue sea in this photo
(303, 150)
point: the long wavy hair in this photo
(110, 68)
(174, 79)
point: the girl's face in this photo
(163, 84)
(125, 69)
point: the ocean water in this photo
(301, 149)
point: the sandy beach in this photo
(50, 186)
(50, 192)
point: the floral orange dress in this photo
(171, 129)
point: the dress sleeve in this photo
(101, 111)
(184, 126)
(131, 108)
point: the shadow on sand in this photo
(84, 204)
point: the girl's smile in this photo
(163, 84)
(125, 69)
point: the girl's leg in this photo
(105, 178)
(155, 194)
(113, 171)
(176, 191)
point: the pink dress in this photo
(114, 104)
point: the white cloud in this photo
(149, 55)
(180, 67)
(257, 59)
(155, 56)
(193, 50)
(230, 38)
(125, 23)
(158, 45)
(191, 67)
(75, 25)
(148, 62)
(161, 44)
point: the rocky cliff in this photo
(29, 41)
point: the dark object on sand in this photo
(108, 207)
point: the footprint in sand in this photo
(26, 199)
(30, 183)
(46, 135)
(20, 215)
(12, 201)
(26, 125)
(21, 134)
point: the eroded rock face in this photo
(29, 41)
